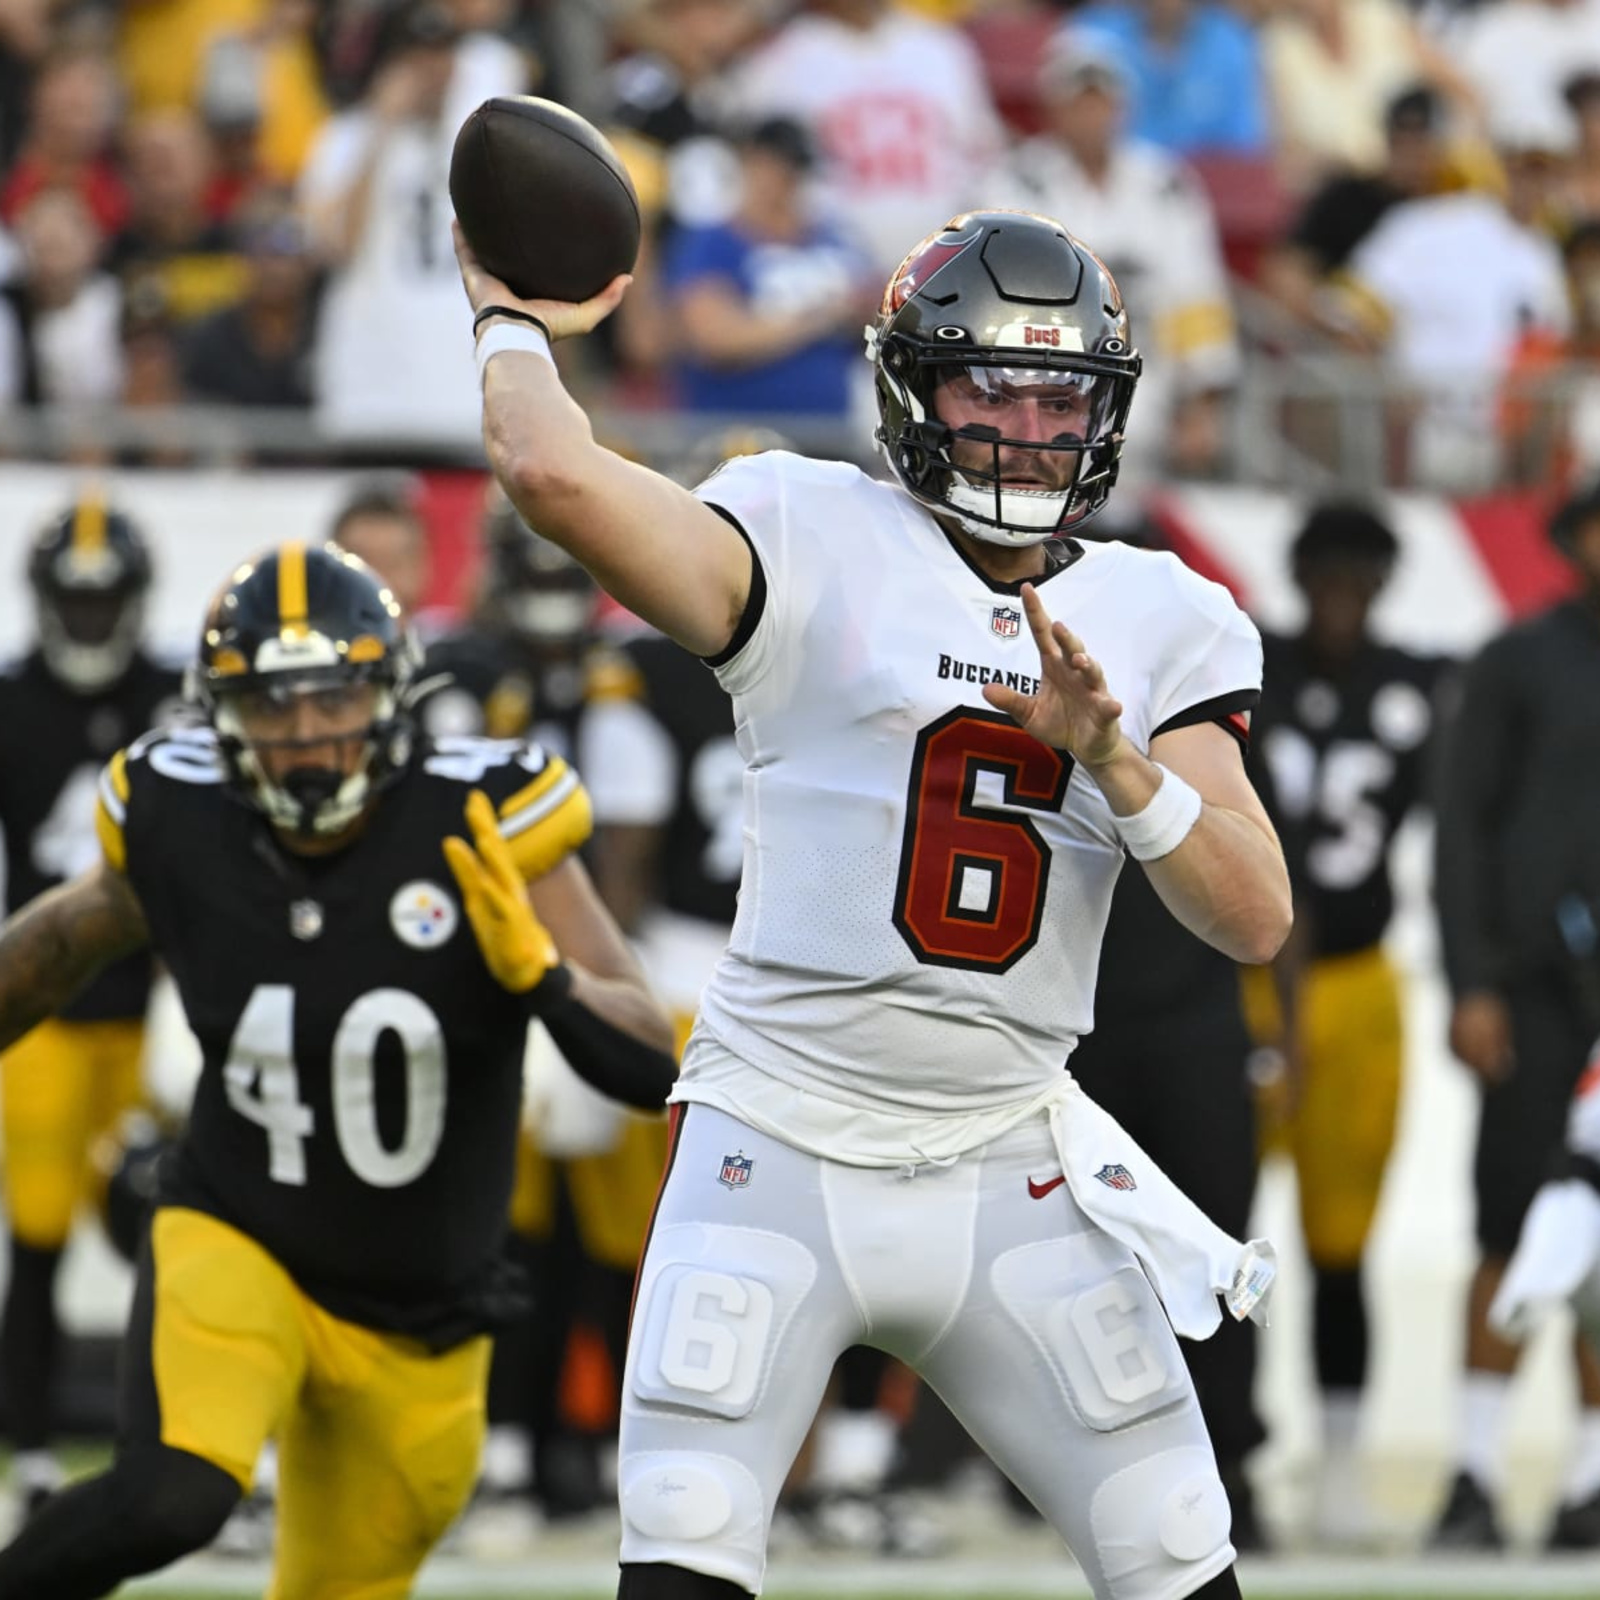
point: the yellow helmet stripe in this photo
(89, 525)
(292, 591)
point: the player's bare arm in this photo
(648, 541)
(1227, 881)
(52, 947)
(606, 977)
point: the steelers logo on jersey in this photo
(422, 915)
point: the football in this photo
(542, 199)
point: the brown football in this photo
(542, 198)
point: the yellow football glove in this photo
(516, 946)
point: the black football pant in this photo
(152, 1506)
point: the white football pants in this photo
(1040, 1333)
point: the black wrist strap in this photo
(485, 312)
(602, 1054)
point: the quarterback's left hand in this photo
(1073, 710)
(516, 946)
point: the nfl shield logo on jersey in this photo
(735, 1172)
(1116, 1176)
(1005, 621)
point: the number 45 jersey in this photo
(925, 885)
(357, 1109)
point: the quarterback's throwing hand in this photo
(516, 946)
(564, 320)
(1073, 710)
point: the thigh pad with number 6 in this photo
(714, 1305)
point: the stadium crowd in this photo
(243, 204)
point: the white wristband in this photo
(1164, 823)
(504, 336)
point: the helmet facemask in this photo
(311, 799)
(1013, 487)
(89, 638)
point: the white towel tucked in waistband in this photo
(1188, 1258)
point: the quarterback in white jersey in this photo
(876, 1140)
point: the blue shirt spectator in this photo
(767, 305)
(1195, 71)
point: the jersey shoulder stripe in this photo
(546, 820)
(111, 812)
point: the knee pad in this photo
(699, 1511)
(1157, 1517)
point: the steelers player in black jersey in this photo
(86, 687)
(324, 1258)
(1340, 746)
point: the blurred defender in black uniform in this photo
(1169, 1059)
(525, 665)
(1340, 748)
(86, 688)
(325, 1255)
(1518, 887)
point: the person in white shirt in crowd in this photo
(899, 108)
(64, 313)
(1519, 54)
(1445, 287)
(389, 367)
(1153, 226)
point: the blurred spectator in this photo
(24, 41)
(899, 108)
(1519, 53)
(668, 101)
(151, 376)
(487, 62)
(64, 309)
(769, 305)
(391, 364)
(1550, 414)
(162, 46)
(1582, 94)
(1195, 70)
(257, 352)
(1333, 67)
(381, 521)
(1443, 289)
(1349, 205)
(1148, 219)
(72, 112)
(171, 235)
(262, 98)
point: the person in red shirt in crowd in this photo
(73, 114)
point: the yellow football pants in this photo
(378, 1439)
(62, 1087)
(613, 1193)
(1342, 1130)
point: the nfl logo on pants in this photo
(735, 1172)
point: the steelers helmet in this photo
(531, 587)
(1008, 299)
(306, 619)
(89, 570)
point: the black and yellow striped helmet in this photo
(302, 618)
(89, 569)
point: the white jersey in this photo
(901, 110)
(925, 886)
